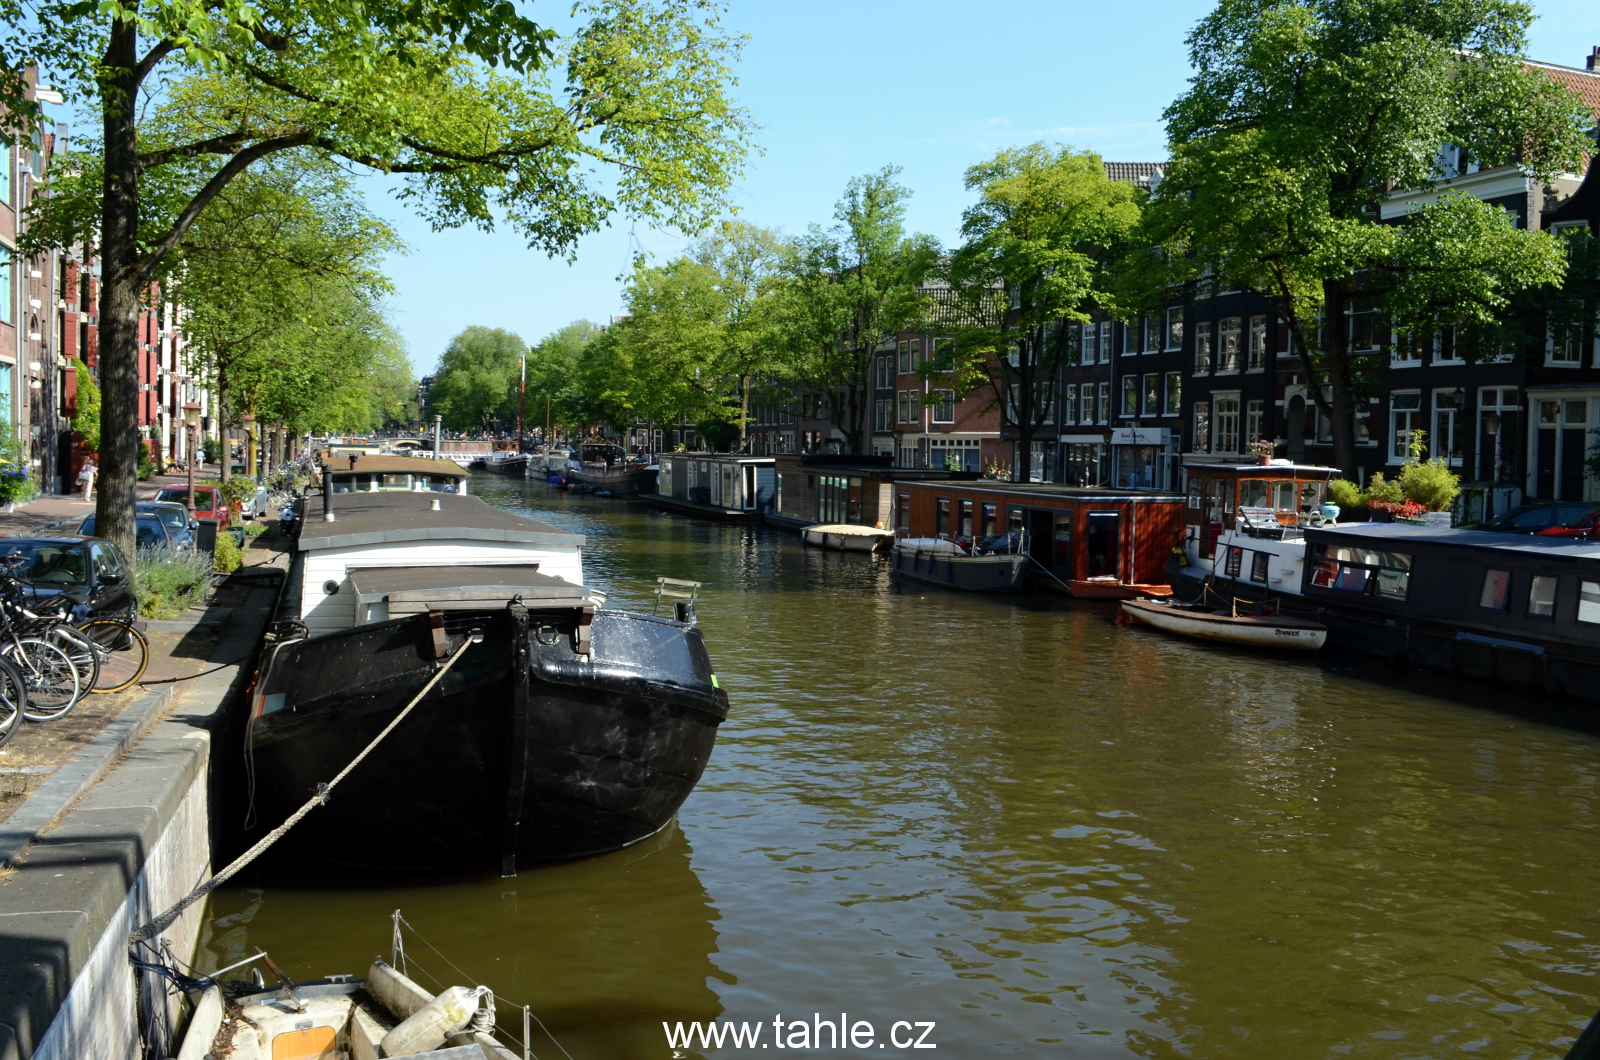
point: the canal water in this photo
(1040, 830)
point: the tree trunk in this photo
(224, 444)
(744, 412)
(119, 295)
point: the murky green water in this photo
(1044, 832)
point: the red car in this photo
(208, 503)
(1585, 528)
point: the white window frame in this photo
(1129, 408)
(1404, 352)
(1226, 363)
(1255, 359)
(1400, 449)
(1105, 403)
(1439, 359)
(1202, 426)
(1202, 338)
(1172, 394)
(1572, 355)
(1218, 435)
(1174, 325)
(1439, 447)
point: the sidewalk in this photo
(63, 512)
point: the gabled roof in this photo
(1585, 84)
(1134, 172)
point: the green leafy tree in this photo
(484, 114)
(86, 420)
(1300, 117)
(744, 262)
(555, 391)
(1033, 263)
(847, 289)
(476, 382)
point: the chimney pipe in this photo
(327, 493)
(1592, 61)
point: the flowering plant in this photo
(14, 484)
(1261, 447)
(1399, 509)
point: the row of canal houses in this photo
(1216, 370)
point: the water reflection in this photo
(1030, 825)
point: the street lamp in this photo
(191, 420)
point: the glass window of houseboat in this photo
(1194, 493)
(966, 519)
(1496, 590)
(1589, 602)
(1254, 493)
(1542, 596)
(1013, 520)
(1283, 497)
(1062, 557)
(1231, 564)
(441, 485)
(903, 513)
(1312, 494)
(1258, 567)
(991, 520)
(396, 482)
(941, 519)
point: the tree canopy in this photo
(476, 381)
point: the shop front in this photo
(1144, 458)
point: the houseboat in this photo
(821, 488)
(998, 565)
(364, 473)
(1243, 533)
(732, 486)
(1512, 608)
(607, 466)
(1094, 542)
(566, 729)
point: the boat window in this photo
(903, 512)
(1258, 567)
(941, 519)
(396, 482)
(966, 519)
(1362, 570)
(1283, 497)
(1496, 590)
(1013, 520)
(1312, 494)
(1194, 493)
(1063, 553)
(1542, 596)
(1231, 564)
(1253, 493)
(991, 520)
(1589, 602)
(442, 485)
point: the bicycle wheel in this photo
(51, 679)
(81, 651)
(122, 651)
(13, 701)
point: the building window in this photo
(1285, 347)
(1499, 426)
(944, 406)
(905, 406)
(1175, 329)
(1445, 442)
(1174, 404)
(1364, 324)
(1152, 334)
(906, 367)
(1105, 403)
(1202, 348)
(6, 297)
(883, 415)
(1228, 335)
(1496, 590)
(1069, 403)
(1258, 344)
(1405, 351)
(1130, 395)
(1255, 419)
(1565, 348)
(1227, 411)
(1105, 341)
(886, 372)
(1151, 405)
(1446, 348)
(1087, 412)
(1405, 416)
(1202, 426)
(1091, 342)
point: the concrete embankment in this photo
(113, 838)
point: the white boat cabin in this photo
(1246, 522)
(359, 473)
(391, 554)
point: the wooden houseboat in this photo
(609, 467)
(1512, 608)
(732, 486)
(1244, 529)
(820, 488)
(1102, 543)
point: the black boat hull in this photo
(514, 466)
(587, 756)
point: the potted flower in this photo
(1263, 450)
(14, 485)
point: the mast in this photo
(522, 398)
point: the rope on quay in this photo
(165, 920)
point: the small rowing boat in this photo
(1252, 631)
(845, 537)
(1112, 589)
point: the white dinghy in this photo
(846, 537)
(1251, 631)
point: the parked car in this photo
(1535, 516)
(208, 503)
(183, 530)
(1585, 527)
(90, 571)
(149, 531)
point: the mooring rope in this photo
(162, 922)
